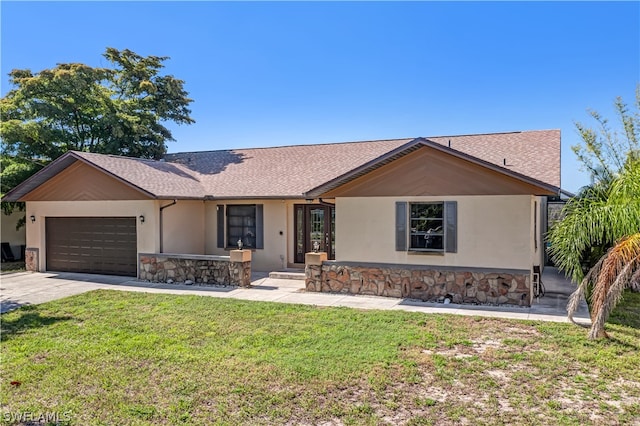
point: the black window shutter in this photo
(259, 226)
(220, 225)
(401, 226)
(451, 223)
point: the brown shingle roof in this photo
(291, 171)
(162, 179)
(287, 171)
(533, 153)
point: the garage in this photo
(98, 245)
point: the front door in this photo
(314, 223)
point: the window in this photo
(426, 226)
(241, 225)
(242, 222)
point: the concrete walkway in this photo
(24, 288)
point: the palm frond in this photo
(574, 301)
(613, 298)
(576, 296)
(613, 274)
(600, 215)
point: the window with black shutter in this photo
(427, 226)
(241, 222)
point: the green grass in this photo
(628, 311)
(108, 357)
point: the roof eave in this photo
(253, 197)
(565, 193)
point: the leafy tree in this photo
(119, 110)
(604, 151)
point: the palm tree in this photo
(605, 215)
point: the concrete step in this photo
(287, 275)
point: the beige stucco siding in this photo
(493, 232)
(147, 232)
(277, 233)
(183, 225)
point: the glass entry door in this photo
(314, 223)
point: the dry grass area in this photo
(123, 358)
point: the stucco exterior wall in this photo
(183, 224)
(278, 231)
(147, 232)
(537, 232)
(10, 235)
(493, 232)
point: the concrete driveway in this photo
(26, 288)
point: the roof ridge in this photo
(357, 141)
(293, 145)
(492, 133)
(124, 157)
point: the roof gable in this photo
(429, 170)
(154, 179)
(82, 182)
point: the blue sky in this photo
(266, 74)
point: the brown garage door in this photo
(99, 245)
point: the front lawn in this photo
(110, 357)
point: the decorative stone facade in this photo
(424, 283)
(196, 269)
(31, 259)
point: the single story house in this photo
(452, 205)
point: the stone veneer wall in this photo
(198, 269)
(421, 282)
(32, 259)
